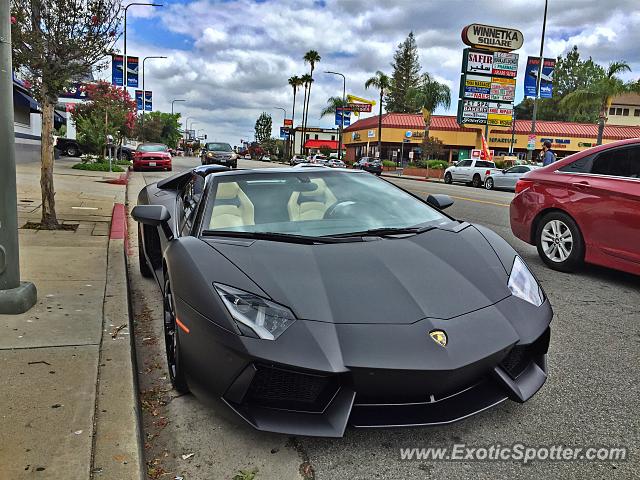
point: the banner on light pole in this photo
(132, 71)
(117, 70)
(148, 101)
(139, 100)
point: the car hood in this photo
(153, 154)
(437, 274)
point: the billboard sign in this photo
(288, 122)
(477, 87)
(473, 111)
(75, 90)
(132, 72)
(148, 101)
(343, 117)
(359, 107)
(546, 78)
(500, 114)
(139, 99)
(117, 70)
(503, 89)
(478, 62)
(284, 133)
(505, 64)
(488, 37)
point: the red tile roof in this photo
(332, 144)
(523, 127)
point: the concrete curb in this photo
(430, 180)
(117, 442)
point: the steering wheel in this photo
(337, 208)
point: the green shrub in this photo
(439, 164)
(389, 163)
(98, 167)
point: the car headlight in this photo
(523, 284)
(209, 154)
(266, 318)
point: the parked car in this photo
(318, 158)
(583, 208)
(235, 254)
(152, 156)
(215, 153)
(265, 158)
(471, 172)
(335, 163)
(296, 159)
(369, 164)
(126, 153)
(69, 147)
(507, 178)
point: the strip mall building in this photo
(404, 132)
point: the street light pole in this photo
(344, 101)
(176, 100)
(144, 92)
(287, 141)
(535, 100)
(124, 65)
(15, 296)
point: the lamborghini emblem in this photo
(439, 337)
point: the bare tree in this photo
(55, 42)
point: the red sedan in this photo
(152, 156)
(585, 207)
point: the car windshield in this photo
(313, 203)
(219, 147)
(152, 148)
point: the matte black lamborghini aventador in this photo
(311, 299)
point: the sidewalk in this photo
(396, 174)
(68, 406)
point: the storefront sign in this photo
(546, 78)
(355, 136)
(477, 86)
(500, 140)
(500, 114)
(505, 64)
(474, 111)
(492, 38)
(585, 144)
(359, 107)
(288, 122)
(478, 62)
(414, 134)
(503, 89)
(371, 133)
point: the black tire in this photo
(71, 151)
(477, 181)
(568, 254)
(172, 341)
(488, 183)
(145, 270)
(448, 179)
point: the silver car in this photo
(507, 179)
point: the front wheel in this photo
(172, 342)
(71, 151)
(559, 242)
(145, 270)
(488, 183)
(477, 181)
(447, 178)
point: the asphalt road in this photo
(590, 399)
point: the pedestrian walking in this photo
(548, 156)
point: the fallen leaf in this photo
(187, 456)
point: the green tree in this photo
(295, 82)
(405, 76)
(427, 96)
(110, 111)
(381, 82)
(602, 91)
(311, 57)
(54, 42)
(333, 103)
(324, 150)
(306, 82)
(432, 147)
(159, 127)
(263, 128)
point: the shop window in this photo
(612, 111)
(316, 136)
(625, 112)
(333, 137)
(636, 112)
(619, 111)
(307, 136)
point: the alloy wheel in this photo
(170, 334)
(556, 240)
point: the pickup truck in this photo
(471, 172)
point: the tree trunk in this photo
(49, 220)
(293, 125)
(304, 109)
(601, 120)
(380, 128)
(306, 114)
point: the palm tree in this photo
(333, 103)
(428, 96)
(306, 81)
(382, 82)
(602, 91)
(295, 82)
(311, 57)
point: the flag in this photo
(486, 154)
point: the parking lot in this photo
(586, 401)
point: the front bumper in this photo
(227, 162)
(392, 376)
(151, 163)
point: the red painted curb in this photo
(118, 222)
(410, 178)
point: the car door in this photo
(607, 196)
(188, 204)
(461, 172)
(512, 175)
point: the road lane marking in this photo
(466, 199)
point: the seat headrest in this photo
(227, 190)
(318, 192)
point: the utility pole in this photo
(176, 100)
(535, 100)
(287, 139)
(144, 96)
(344, 111)
(15, 296)
(124, 69)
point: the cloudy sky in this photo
(231, 59)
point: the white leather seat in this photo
(231, 207)
(311, 205)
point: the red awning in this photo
(332, 144)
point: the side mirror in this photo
(150, 214)
(504, 170)
(440, 201)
